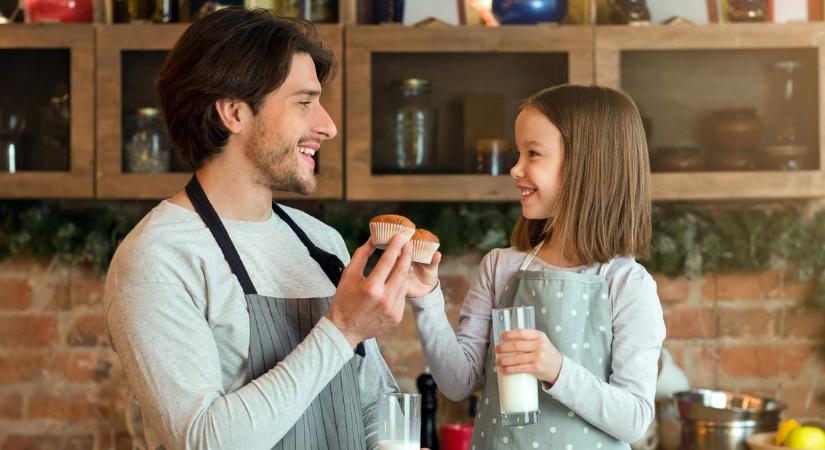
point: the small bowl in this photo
(763, 441)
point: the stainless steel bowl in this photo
(722, 420)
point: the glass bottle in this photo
(166, 11)
(409, 144)
(141, 11)
(12, 125)
(289, 8)
(786, 148)
(146, 148)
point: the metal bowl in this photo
(723, 420)
(723, 406)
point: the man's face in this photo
(289, 129)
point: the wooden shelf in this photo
(612, 42)
(112, 42)
(363, 42)
(78, 181)
(593, 54)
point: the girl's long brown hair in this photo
(603, 208)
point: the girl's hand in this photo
(424, 277)
(528, 351)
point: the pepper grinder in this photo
(429, 402)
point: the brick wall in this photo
(61, 386)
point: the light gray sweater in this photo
(177, 319)
(622, 407)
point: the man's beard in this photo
(277, 163)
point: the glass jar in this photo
(409, 143)
(289, 8)
(632, 12)
(746, 11)
(493, 157)
(146, 145)
(323, 11)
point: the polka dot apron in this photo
(574, 311)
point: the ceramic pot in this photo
(735, 129)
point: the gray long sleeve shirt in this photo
(622, 407)
(177, 319)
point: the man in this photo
(223, 306)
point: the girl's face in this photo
(540, 158)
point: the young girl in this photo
(584, 181)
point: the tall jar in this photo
(146, 148)
(409, 144)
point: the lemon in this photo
(806, 437)
(784, 429)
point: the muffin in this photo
(384, 227)
(424, 246)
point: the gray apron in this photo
(574, 311)
(277, 325)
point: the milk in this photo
(398, 445)
(518, 393)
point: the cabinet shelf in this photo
(680, 74)
(36, 73)
(459, 62)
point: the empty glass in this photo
(518, 393)
(399, 422)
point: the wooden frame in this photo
(113, 183)
(78, 181)
(612, 40)
(362, 41)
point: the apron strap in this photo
(330, 264)
(605, 267)
(530, 256)
(204, 209)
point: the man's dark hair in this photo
(232, 53)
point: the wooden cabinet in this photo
(129, 58)
(511, 62)
(684, 78)
(47, 111)
(678, 75)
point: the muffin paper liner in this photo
(423, 251)
(382, 232)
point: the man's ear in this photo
(232, 113)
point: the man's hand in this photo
(528, 351)
(365, 307)
(424, 277)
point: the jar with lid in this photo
(146, 146)
(409, 131)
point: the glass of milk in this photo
(399, 421)
(518, 393)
